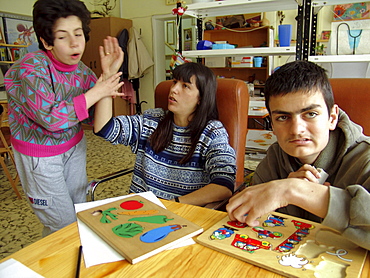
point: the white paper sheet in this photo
(13, 269)
(95, 249)
(259, 139)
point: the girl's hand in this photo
(111, 56)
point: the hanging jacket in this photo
(123, 38)
(139, 59)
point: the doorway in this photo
(164, 31)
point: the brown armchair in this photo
(353, 96)
(232, 103)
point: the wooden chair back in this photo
(353, 96)
(6, 154)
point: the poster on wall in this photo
(352, 11)
(20, 31)
(350, 37)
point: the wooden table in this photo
(56, 256)
(258, 112)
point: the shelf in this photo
(316, 3)
(9, 57)
(13, 45)
(232, 68)
(232, 7)
(255, 51)
(259, 86)
(340, 58)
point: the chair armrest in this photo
(222, 205)
(94, 183)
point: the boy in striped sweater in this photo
(50, 93)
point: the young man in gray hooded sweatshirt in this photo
(313, 133)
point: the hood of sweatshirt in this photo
(342, 139)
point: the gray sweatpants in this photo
(53, 184)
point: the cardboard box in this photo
(215, 62)
(242, 61)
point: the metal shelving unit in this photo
(340, 58)
(232, 7)
(241, 51)
(306, 26)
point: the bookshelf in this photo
(231, 7)
(9, 53)
(249, 40)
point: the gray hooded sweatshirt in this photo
(346, 159)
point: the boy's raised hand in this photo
(111, 56)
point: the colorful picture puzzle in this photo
(289, 246)
(137, 228)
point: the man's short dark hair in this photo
(299, 76)
(47, 12)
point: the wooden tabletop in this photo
(257, 109)
(56, 255)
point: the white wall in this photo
(141, 12)
(25, 7)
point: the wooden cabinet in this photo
(243, 38)
(100, 29)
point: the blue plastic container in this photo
(223, 46)
(285, 34)
(204, 45)
(257, 61)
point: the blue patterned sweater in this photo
(212, 162)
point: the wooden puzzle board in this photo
(289, 246)
(137, 228)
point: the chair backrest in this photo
(4, 134)
(353, 96)
(233, 105)
(6, 152)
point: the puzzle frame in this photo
(137, 228)
(287, 245)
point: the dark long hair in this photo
(206, 110)
(47, 12)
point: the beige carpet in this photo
(19, 227)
